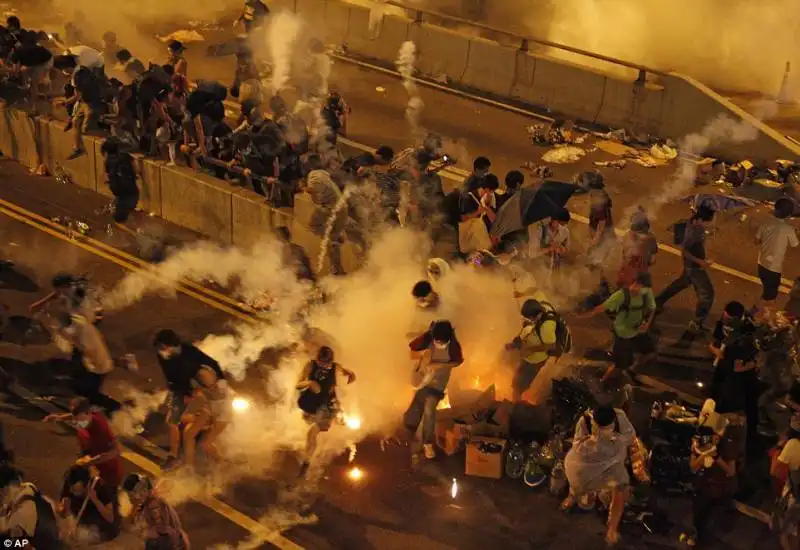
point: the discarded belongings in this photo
(558, 132)
(539, 171)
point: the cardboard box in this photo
(483, 464)
(451, 436)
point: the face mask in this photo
(167, 353)
(82, 424)
(441, 345)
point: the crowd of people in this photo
(157, 107)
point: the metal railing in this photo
(420, 15)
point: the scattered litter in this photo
(768, 183)
(380, 89)
(643, 159)
(183, 35)
(62, 176)
(12, 243)
(727, 282)
(663, 152)
(540, 171)
(615, 148)
(563, 155)
(558, 132)
(73, 227)
(618, 164)
(743, 217)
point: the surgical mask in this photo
(167, 353)
(82, 424)
(441, 345)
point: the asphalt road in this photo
(393, 508)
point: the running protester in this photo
(318, 399)
(537, 338)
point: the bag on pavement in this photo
(473, 235)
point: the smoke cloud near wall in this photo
(727, 44)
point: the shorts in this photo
(624, 350)
(770, 281)
(124, 206)
(323, 418)
(176, 407)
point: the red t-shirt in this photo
(97, 439)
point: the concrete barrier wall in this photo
(204, 204)
(675, 107)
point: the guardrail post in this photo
(418, 16)
(524, 46)
(641, 80)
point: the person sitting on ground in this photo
(208, 413)
(90, 504)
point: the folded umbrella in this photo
(528, 206)
(718, 203)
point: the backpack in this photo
(46, 533)
(563, 334)
(679, 232)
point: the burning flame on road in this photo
(355, 473)
(352, 422)
(454, 489)
(240, 405)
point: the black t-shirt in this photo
(31, 55)
(181, 369)
(121, 175)
(730, 387)
(88, 84)
(91, 516)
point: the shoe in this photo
(697, 327)
(76, 153)
(687, 539)
(430, 452)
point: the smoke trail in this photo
(250, 272)
(721, 130)
(282, 33)
(406, 62)
(129, 420)
(330, 225)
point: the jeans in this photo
(423, 409)
(698, 278)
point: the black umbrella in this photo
(528, 206)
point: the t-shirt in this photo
(790, 455)
(632, 316)
(541, 236)
(121, 175)
(87, 57)
(600, 210)
(31, 55)
(774, 238)
(533, 336)
(182, 368)
(97, 439)
(91, 516)
(714, 482)
(694, 242)
(730, 387)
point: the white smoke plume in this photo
(406, 65)
(129, 420)
(250, 273)
(719, 131)
(283, 31)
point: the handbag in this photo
(473, 235)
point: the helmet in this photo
(531, 308)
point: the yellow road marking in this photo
(228, 512)
(120, 253)
(123, 263)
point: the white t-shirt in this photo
(774, 237)
(558, 237)
(790, 455)
(87, 57)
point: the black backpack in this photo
(46, 533)
(563, 333)
(679, 232)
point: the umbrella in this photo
(528, 206)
